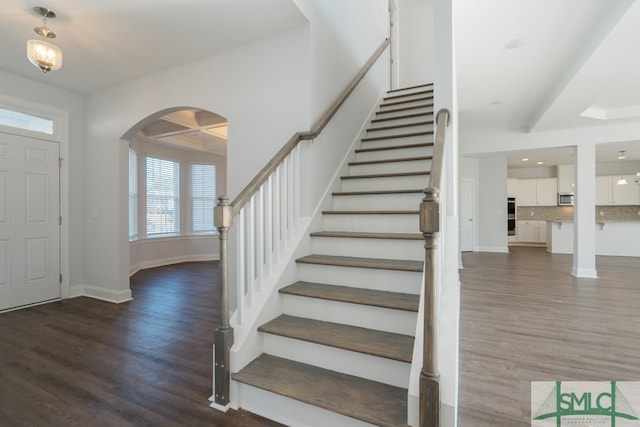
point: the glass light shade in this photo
(44, 55)
(622, 181)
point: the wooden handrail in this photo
(430, 228)
(253, 186)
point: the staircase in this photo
(340, 354)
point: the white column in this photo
(584, 212)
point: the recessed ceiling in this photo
(190, 129)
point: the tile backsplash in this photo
(603, 213)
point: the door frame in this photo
(471, 186)
(61, 136)
(393, 45)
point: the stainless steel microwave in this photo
(565, 199)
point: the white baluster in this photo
(240, 288)
(250, 251)
(259, 237)
(268, 221)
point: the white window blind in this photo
(203, 197)
(133, 195)
(163, 197)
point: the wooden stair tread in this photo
(404, 95)
(357, 262)
(369, 401)
(347, 294)
(376, 192)
(410, 87)
(401, 159)
(395, 147)
(366, 235)
(388, 102)
(404, 116)
(346, 337)
(401, 135)
(413, 107)
(401, 126)
(386, 175)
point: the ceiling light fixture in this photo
(44, 55)
(622, 181)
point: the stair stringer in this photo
(268, 303)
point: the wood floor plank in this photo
(525, 318)
(147, 362)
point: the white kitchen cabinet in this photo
(608, 192)
(537, 192)
(565, 179)
(547, 192)
(512, 187)
(531, 231)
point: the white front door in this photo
(29, 221)
(466, 215)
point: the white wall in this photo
(492, 204)
(415, 44)
(261, 88)
(343, 37)
(38, 93)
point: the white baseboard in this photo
(143, 265)
(498, 249)
(590, 273)
(102, 294)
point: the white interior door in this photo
(466, 215)
(29, 221)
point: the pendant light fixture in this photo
(622, 181)
(42, 54)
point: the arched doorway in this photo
(177, 167)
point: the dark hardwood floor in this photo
(148, 362)
(525, 318)
(83, 362)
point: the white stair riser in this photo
(373, 132)
(291, 412)
(417, 101)
(366, 156)
(364, 316)
(399, 201)
(369, 248)
(391, 167)
(407, 282)
(346, 362)
(386, 183)
(394, 142)
(407, 96)
(373, 223)
(391, 112)
(401, 120)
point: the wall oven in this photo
(511, 216)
